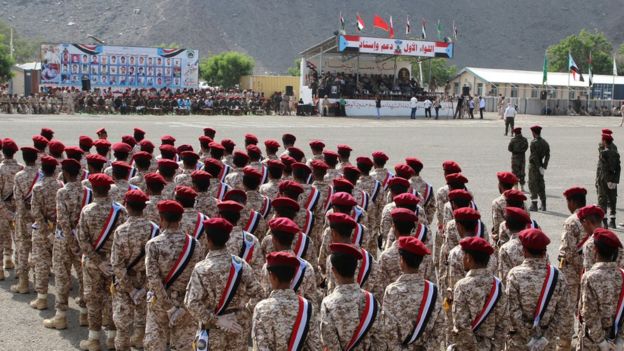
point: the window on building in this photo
(456, 88)
(514, 90)
(534, 91)
(571, 94)
(479, 89)
(552, 92)
(494, 90)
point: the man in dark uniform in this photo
(518, 146)
(538, 163)
(607, 178)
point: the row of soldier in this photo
(343, 253)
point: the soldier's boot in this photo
(136, 340)
(612, 223)
(92, 343)
(83, 319)
(58, 322)
(8, 262)
(604, 223)
(543, 207)
(110, 339)
(21, 287)
(533, 207)
(40, 303)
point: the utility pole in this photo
(11, 43)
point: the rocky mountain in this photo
(493, 33)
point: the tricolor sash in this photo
(310, 179)
(534, 224)
(199, 165)
(154, 231)
(367, 318)
(376, 191)
(299, 274)
(224, 172)
(265, 174)
(366, 266)
(182, 261)
(266, 207)
(480, 230)
(302, 325)
(107, 230)
(358, 235)
(357, 213)
(421, 232)
(364, 200)
(619, 312)
(133, 172)
(427, 194)
(38, 178)
(252, 222)
(301, 245)
(548, 288)
(312, 199)
(85, 175)
(231, 286)
(386, 179)
(87, 196)
(221, 190)
(473, 205)
(490, 302)
(133, 187)
(309, 222)
(327, 204)
(199, 225)
(247, 247)
(427, 305)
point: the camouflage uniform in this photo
(469, 297)
(188, 225)
(43, 208)
(524, 284)
(540, 155)
(138, 180)
(441, 199)
(307, 288)
(608, 172)
(325, 191)
(340, 317)
(455, 270)
(332, 174)
(97, 284)
(206, 204)
(273, 321)
(168, 191)
(368, 184)
(401, 304)
(270, 188)
(8, 169)
(518, 146)
(204, 291)
(161, 253)
(151, 211)
(23, 219)
(310, 255)
(127, 260)
(372, 284)
(509, 256)
(235, 244)
(324, 251)
(385, 223)
(119, 189)
(587, 253)
(214, 188)
(183, 179)
(390, 269)
(498, 216)
(429, 202)
(570, 262)
(235, 179)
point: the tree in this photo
(580, 45)
(6, 62)
(441, 71)
(295, 69)
(226, 68)
(24, 50)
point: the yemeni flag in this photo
(359, 22)
(423, 29)
(391, 33)
(380, 23)
(590, 74)
(408, 27)
(573, 68)
(545, 70)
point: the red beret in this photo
(184, 147)
(189, 154)
(459, 194)
(319, 165)
(607, 237)
(154, 178)
(475, 243)
(283, 224)
(200, 175)
(343, 183)
(398, 181)
(289, 138)
(216, 146)
(507, 177)
(252, 173)
(365, 161)
(168, 148)
(289, 185)
(282, 258)
(146, 145)
(295, 153)
(139, 131)
(95, 159)
(122, 147)
(347, 249)
(607, 131)
(607, 137)
(414, 162)
(213, 162)
(343, 199)
(517, 214)
(285, 202)
(209, 130)
(136, 196)
(236, 194)
(217, 227)
(301, 167)
(100, 131)
(272, 144)
(413, 245)
(575, 191)
(591, 210)
(514, 195)
(170, 206)
(534, 239)
(344, 148)
(56, 147)
(517, 130)
(47, 132)
(251, 139)
(451, 167)
(341, 218)
(287, 160)
(85, 141)
(228, 143)
(403, 215)
(205, 139)
(406, 199)
(536, 128)
(29, 150)
(48, 160)
(230, 206)
(241, 155)
(456, 178)
(330, 154)
(404, 171)
(253, 149)
(317, 144)
(72, 151)
(100, 179)
(102, 143)
(9, 144)
(70, 163)
(121, 165)
(350, 170)
(167, 163)
(466, 214)
(142, 155)
(275, 164)
(185, 192)
(380, 155)
(167, 139)
(128, 139)
(40, 141)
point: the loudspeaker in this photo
(86, 84)
(543, 95)
(289, 90)
(465, 91)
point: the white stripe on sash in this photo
(312, 199)
(548, 288)
(358, 235)
(366, 266)
(490, 303)
(366, 320)
(299, 274)
(427, 305)
(252, 222)
(107, 230)
(300, 329)
(231, 285)
(301, 246)
(199, 225)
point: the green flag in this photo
(545, 69)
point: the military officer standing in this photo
(518, 145)
(8, 169)
(538, 163)
(607, 178)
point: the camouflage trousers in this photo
(97, 297)
(127, 315)
(42, 258)
(23, 244)
(537, 187)
(158, 332)
(607, 198)
(64, 257)
(6, 236)
(518, 169)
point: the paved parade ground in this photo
(477, 145)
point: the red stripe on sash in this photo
(300, 329)
(548, 287)
(105, 232)
(182, 261)
(367, 318)
(231, 286)
(488, 307)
